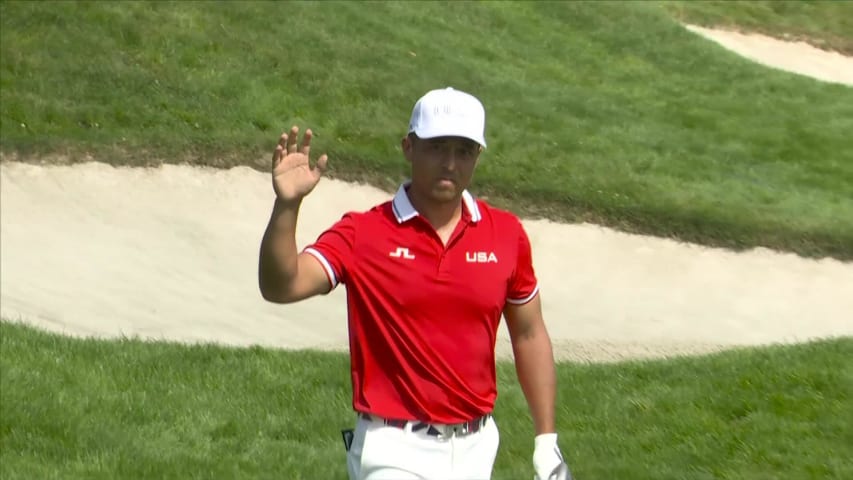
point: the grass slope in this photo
(607, 112)
(823, 23)
(81, 408)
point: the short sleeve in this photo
(523, 285)
(333, 249)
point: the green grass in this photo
(83, 408)
(606, 112)
(825, 24)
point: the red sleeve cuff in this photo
(327, 267)
(522, 301)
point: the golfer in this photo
(428, 276)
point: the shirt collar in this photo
(404, 211)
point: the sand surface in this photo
(171, 253)
(796, 57)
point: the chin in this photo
(445, 194)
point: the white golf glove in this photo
(548, 462)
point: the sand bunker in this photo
(796, 57)
(171, 253)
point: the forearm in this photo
(278, 263)
(534, 363)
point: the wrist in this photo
(545, 440)
(282, 204)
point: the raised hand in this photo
(293, 177)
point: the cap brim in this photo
(435, 133)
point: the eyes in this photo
(459, 149)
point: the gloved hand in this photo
(548, 462)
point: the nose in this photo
(448, 158)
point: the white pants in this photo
(384, 452)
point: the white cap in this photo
(449, 113)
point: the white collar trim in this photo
(404, 211)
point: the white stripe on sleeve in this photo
(333, 280)
(522, 301)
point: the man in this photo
(428, 276)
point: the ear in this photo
(407, 145)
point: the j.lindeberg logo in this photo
(481, 257)
(401, 253)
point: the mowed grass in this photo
(825, 24)
(608, 112)
(75, 408)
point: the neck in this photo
(438, 214)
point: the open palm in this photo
(293, 177)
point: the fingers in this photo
(322, 163)
(292, 141)
(278, 154)
(288, 143)
(306, 143)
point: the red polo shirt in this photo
(423, 317)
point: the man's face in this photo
(441, 167)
